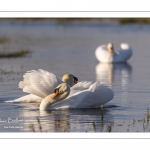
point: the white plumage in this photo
(80, 86)
(96, 95)
(40, 83)
(103, 55)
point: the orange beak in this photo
(55, 94)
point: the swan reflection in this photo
(112, 73)
(115, 74)
(79, 120)
(73, 120)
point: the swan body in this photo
(81, 95)
(40, 83)
(106, 54)
(96, 95)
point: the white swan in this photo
(95, 95)
(106, 54)
(40, 83)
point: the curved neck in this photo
(48, 101)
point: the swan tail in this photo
(125, 46)
(27, 99)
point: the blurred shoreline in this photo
(120, 21)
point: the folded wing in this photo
(97, 94)
(80, 86)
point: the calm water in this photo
(69, 48)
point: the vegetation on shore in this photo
(18, 53)
(64, 20)
(133, 20)
(3, 40)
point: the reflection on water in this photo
(106, 73)
(73, 120)
(112, 74)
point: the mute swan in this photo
(96, 95)
(40, 83)
(106, 54)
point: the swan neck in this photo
(48, 101)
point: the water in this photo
(69, 48)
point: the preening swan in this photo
(60, 93)
(40, 83)
(96, 95)
(106, 54)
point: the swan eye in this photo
(75, 79)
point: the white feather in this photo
(80, 86)
(28, 99)
(40, 83)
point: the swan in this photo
(96, 95)
(106, 54)
(40, 83)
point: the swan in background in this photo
(40, 83)
(96, 95)
(106, 54)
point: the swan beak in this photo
(55, 94)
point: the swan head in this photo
(110, 48)
(60, 93)
(70, 79)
